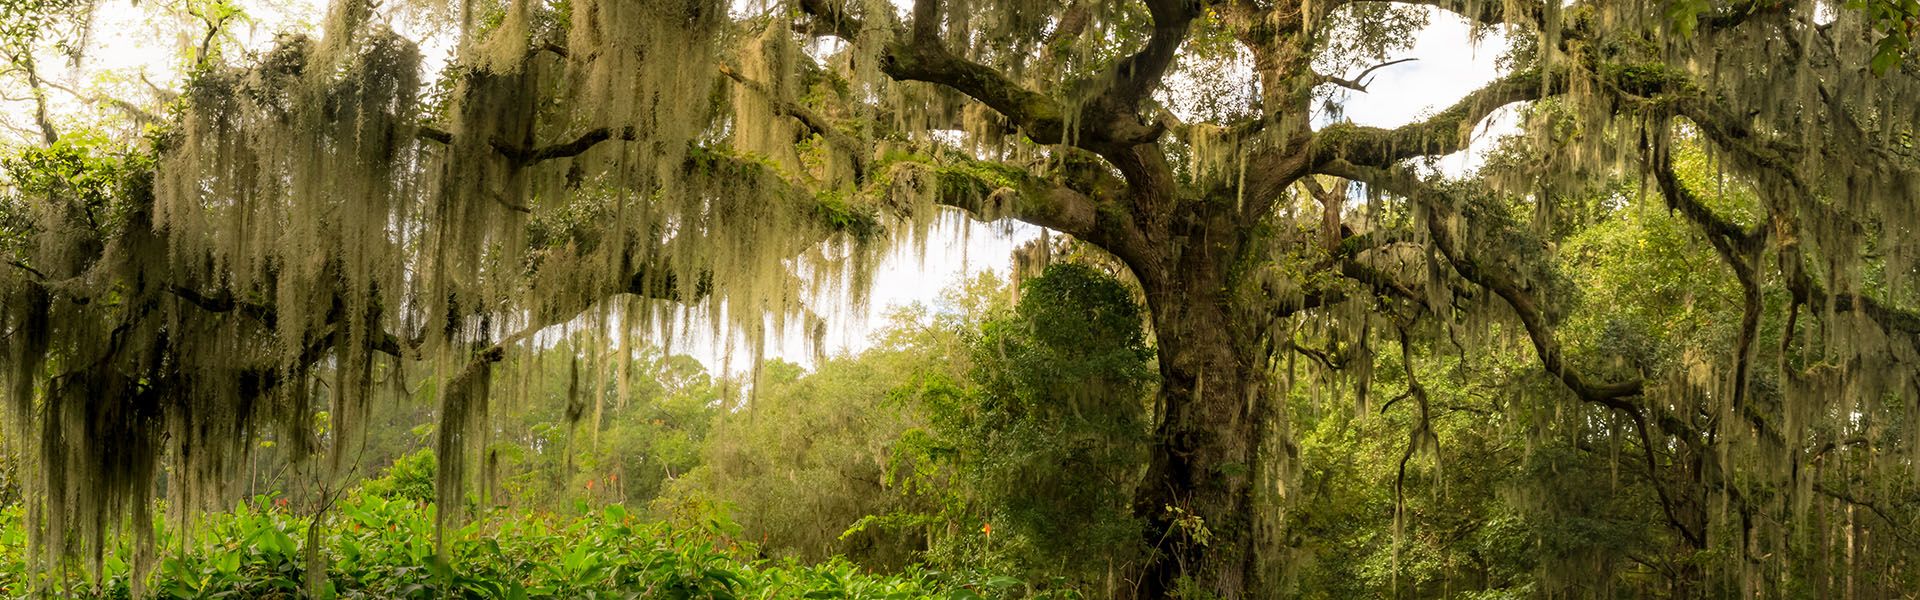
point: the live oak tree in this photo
(1798, 100)
(320, 217)
(306, 226)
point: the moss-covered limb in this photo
(1136, 76)
(1532, 314)
(1530, 12)
(138, 114)
(37, 90)
(587, 140)
(1533, 317)
(1099, 127)
(1718, 228)
(645, 284)
(380, 341)
(1282, 301)
(653, 279)
(1106, 124)
(1353, 245)
(226, 302)
(818, 124)
(1900, 528)
(1619, 396)
(433, 134)
(1440, 134)
(1736, 246)
(1778, 162)
(920, 56)
(1891, 157)
(833, 18)
(1731, 132)
(1793, 197)
(1735, 14)
(990, 191)
(1807, 289)
(38, 276)
(1040, 117)
(1381, 281)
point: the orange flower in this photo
(986, 528)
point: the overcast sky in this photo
(126, 42)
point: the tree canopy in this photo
(1693, 266)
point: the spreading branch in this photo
(1898, 528)
(578, 146)
(1359, 82)
(1617, 396)
(1444, 133)
(833, 18)
(1090, 215)
(1777, 161)
(1520, 297)
(526, 156)
(141, 116)
(1140, 73)
(814, 122)
(917, 54)
(226, 302)
(1737, 247)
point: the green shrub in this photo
(377, 547)
(410, 478)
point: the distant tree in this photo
(1042, 440)
(806, 461)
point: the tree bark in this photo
(1197, 497)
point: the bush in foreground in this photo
(382, 548)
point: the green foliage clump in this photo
(13, 548)
(1041, 442)
(805, 460)
(80, 179)
(409, 479)
(381, 548)
(994, 443)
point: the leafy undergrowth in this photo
(381, 548)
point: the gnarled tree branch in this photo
(1444, 133)
(1525, 306)
(527, 156)
(1359, 82)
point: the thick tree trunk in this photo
(1197, 498)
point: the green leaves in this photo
(1041, 440)
(1684, 15)
(1897, 22)
(380, 548)
(1890, 51)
